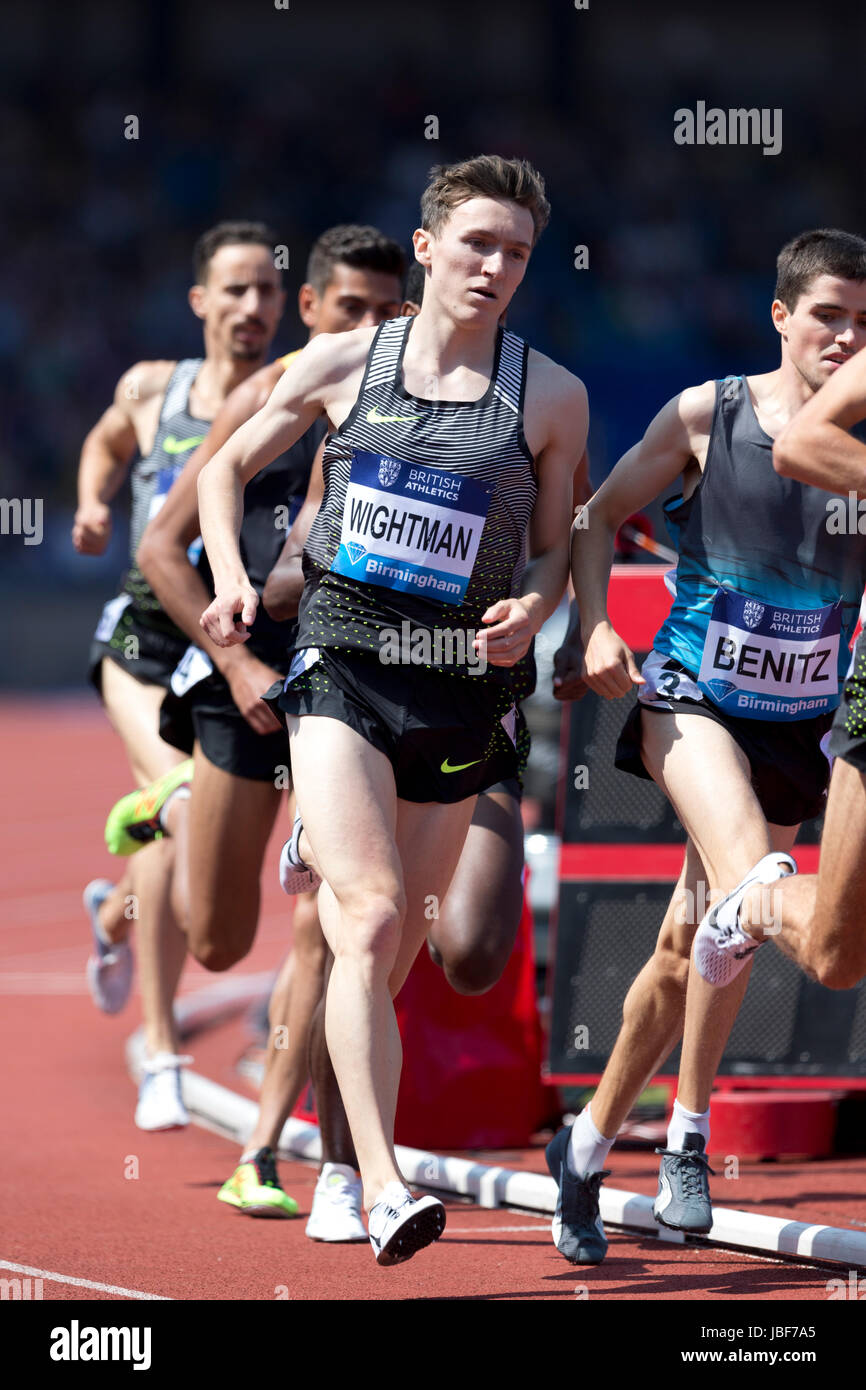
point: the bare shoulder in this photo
(695, 407)
(549, 384)
(142, 382)
(249, 396)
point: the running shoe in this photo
(336, 1212)
(255, 1188)
(683, 1201)
(400, 1225)
(577, 1231)
(295, 876)
(109, 968)
(160, 1096)
(722, 946)
(133, 821)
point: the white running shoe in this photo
(109, 967)
(295, 876)
(722, 946)
(400, 1226)
(160, 1097)
(336, 1212)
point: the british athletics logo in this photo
(411, 528)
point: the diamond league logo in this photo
(752, 614)
(389, 472)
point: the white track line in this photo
(83, 1283)
(224, 1111)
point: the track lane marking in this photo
(83, 1283)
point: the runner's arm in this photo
(677, 435)
(165, 564)
(298, 399)
(285, 583)
(816, 447)
(106, 455)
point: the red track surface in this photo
(66, 1206)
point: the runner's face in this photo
(479, 258)
(355, 298)
(242, 302)
(826, 328)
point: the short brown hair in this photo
(228, 234)
(826, 251)
(485, 176)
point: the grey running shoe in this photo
(683, 1201)
(577, 1230)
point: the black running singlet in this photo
(426, 506)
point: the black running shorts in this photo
(790, 771)
(147, 653)
(848, 739)
(447, 737)
(208, 715)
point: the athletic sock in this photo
(587, 1149)
(686, 1122)
(183, 793)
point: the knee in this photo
(838, 972)
(217, 949)
(473, 967)
(370, 928)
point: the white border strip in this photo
(234, 1116)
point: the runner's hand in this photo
(509, 635)
(568, 679)
(248, 680)
(91, 530)
(609, 664)
(218, 619)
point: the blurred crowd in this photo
(98, 229)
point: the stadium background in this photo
(316, 114)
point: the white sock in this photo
(183, 793)
(687, 1122)
(587, 1149)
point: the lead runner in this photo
(448, 442)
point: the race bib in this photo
(111, 616)
(761, 661)
(410, 527)
(194, 666)
(301, 662)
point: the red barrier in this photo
(472, 1065)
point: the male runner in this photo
(821, 915)
(162, 410)
(353, 277)
(447, 443)
(733, 701)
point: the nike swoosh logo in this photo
(375, 418)
(180, 446)
(446, 767)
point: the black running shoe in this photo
(577, 1230)
(683, 1200)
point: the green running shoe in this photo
(255, 1188)
(133, 821)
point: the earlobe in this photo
(309, 305)
(198, 300)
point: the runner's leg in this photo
(230, 822)
(475, 931)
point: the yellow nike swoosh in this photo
(460, 766)
(376, 419)
(180, 446)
